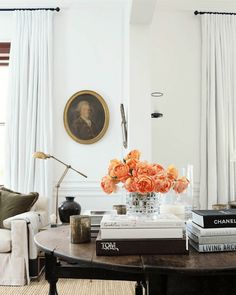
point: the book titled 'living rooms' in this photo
(215, 218)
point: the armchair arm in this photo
(41, 207)
(20, 247)
(28, 217)
(34, 220)
(19, 238)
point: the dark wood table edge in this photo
(189, 271)
(85, 269)
(155, 276)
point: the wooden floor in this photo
(72, 287)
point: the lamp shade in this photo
(41, 155)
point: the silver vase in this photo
(139, 204)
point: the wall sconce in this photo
(155, 95)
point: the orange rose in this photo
(181, 185)
(172, 172)
(161, 175)
(132, 163)
(113, 163)
(108, 185)
(158, 169)
(135, 154)
(120, 171)
(163, 184)
(142, 168)
(155, 169)
(131, 185)
(145, 184)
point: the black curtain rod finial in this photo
(196, 12)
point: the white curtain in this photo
(29, 119)
(218, 109)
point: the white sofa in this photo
(17, 247)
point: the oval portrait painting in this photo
(86, 117)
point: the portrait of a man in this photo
(86, 117)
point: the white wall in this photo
(139, 123)
(165, 56)
(175, 71)
(5, 26)
(89, 54)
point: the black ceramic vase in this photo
(67, 208)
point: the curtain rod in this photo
(213, 12)
(13, 9)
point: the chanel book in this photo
(140, 247)
(215, 218)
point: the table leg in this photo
(157, 285)
(144, 284)
(138, 288)
(50, 273)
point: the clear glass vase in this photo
(139, 204)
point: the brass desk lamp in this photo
(43, 156)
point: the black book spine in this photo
(219, 221)
(140, 247)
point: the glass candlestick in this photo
(80, 229)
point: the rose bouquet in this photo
(142, 177)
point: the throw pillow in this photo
(3, 188)
(12, 204)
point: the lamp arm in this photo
(69, 167)
(58, 160)
(78, 172)
(57, 186)
(62, 177)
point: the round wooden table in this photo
(213, 273)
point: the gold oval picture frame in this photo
(86, 117)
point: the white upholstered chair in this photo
(18, 253)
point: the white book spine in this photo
(211, 239)
(217, 247)
(130, 221)
(198, 219)
(211, 231)
(138, 233)
(141, 225)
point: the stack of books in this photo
(213, 230)
(96, 218)
(136, 235)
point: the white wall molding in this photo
(80, 185)
(89, 195)
(89, 189)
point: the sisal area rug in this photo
(72, 287)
